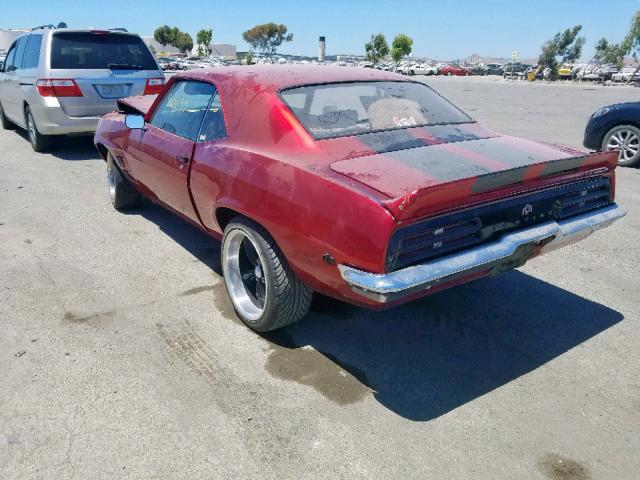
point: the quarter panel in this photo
(307, 214)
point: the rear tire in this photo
(39, 142)
(625, 139)
(264, 291)
(4, 121)
(123, 195)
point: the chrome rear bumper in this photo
(512, 250)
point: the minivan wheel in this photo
(39, 142)
(123, 195)
(625, 139)
(4, 121)
(265, 292)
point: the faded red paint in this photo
(338, 196)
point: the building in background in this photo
(224, 50)
(8, 35)
(158, 49)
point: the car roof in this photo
(279, 77)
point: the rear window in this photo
(100, 50)
(342, 109)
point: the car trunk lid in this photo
(449, 165)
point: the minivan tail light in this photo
(154, 86)
(58, 87)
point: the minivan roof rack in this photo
(50, 26)
(119, 29)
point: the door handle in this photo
(182, 159)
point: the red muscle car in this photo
(356, 183)
(455, 70)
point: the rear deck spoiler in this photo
(447, 196)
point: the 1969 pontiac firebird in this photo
(359, 184)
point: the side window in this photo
(183, 108)
(22, 46)
(32, 53)
(8, 62)
(213, 127)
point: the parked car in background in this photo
(588, 73)
(359, 184)
(478, 70)
(616, 127)
(61, 81)
(565, 72)
(421, 69)
(494, 69)
(625, 75)
(606, 72)
(454, 70)
(513, 70)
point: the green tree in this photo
(564, 47)
(267, 37)
(203, 39)
(631, 43)
(249, 58)
(164, 35)
(401, 47)
(184, 42)
(612, 53)
(167, 35)
(377, 48)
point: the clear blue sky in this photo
(440, 29)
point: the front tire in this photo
(123, 195)
(626, 140)
(4, 121)
(39, 142)
(265, 292)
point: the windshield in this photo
(341, 109)
(80, 50)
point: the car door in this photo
(14, 85)
(11, 81)
(160, 157)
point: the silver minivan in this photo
(61, 81)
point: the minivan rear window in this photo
(79, 50)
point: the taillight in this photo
(58, 87)
(154, 86)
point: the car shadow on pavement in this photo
(79, 147)
(202, 246)
(428, 357)
(76, 147)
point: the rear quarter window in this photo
(79, 50)
(32, 54)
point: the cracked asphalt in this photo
(120, 356)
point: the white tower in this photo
(321, 49)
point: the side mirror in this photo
(134, 122)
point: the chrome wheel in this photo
(111, 180)
(245, 274)
(626, 142)
(31, 129)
